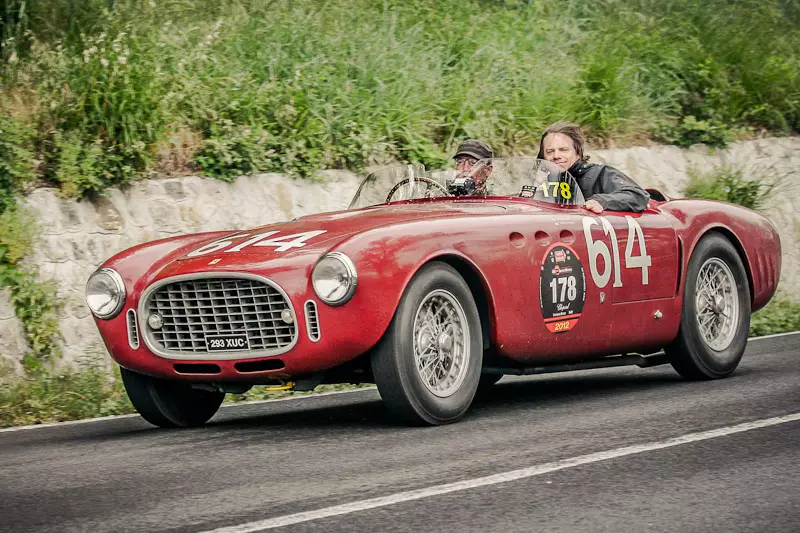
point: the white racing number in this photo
(569, 290)
(598, 248)
(216, 246)
(281, 244)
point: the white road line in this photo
(503, 477)
(774, 335)
(228, 406)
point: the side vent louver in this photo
(312, 321)
(133, 329)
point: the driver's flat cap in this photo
(474, 148)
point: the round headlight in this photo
(334, 278)
(105, 293)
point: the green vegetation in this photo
(297, 86)
(16, 159)
(729, 184)
(33, 302)
(90, 393)
(780, 315)
(64, 396)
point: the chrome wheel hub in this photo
(717, 304)
(441, 343)
(445, 343)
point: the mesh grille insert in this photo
(312, 321)
(133, 329)
(194, 309)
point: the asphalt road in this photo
(621, 449)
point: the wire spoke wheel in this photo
(715, 316)
(428, 363)
(441, 343)
(717, 304)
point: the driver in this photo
(467, 182)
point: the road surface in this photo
(622, 449)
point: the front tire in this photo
(428, 363)
(716, 312)
(169, 404)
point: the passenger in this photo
(603, 187)
(467, 182)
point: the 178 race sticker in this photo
(562, 288)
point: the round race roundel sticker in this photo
(562, 288)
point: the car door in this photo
(632, 256)
(564, 312)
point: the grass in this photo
(729, 184)
(41, 398)
(780, 315)
(71, 395)
(298, 86)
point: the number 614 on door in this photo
(598, 248)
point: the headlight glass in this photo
(334, 278)
(105, 293)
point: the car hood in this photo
(326, 230)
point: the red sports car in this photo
(433, 289)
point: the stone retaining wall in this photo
(79, 236)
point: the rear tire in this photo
(428, 363)
(169, 404)
(716, 312)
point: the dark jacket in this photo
(609, 187)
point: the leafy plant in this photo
(34, 302)
(66, 395)
(35, 306)
(689, 131)
(78, 165)
(780, 315)
(16, 159)
(729, 185)
(17, 232)
(234, 150)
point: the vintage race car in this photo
(433, 288)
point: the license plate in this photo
(225, 343)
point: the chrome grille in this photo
(192, 309)
(312, 321)
(133, 329)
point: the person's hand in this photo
(593, 206)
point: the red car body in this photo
(508, 249)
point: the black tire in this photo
(394, 364)
(170, 404)
(691, 354)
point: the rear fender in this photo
(753, 235)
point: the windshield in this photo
(525, 177)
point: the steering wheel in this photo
(431, 186)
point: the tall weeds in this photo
(298, 85)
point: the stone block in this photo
(109, 218)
